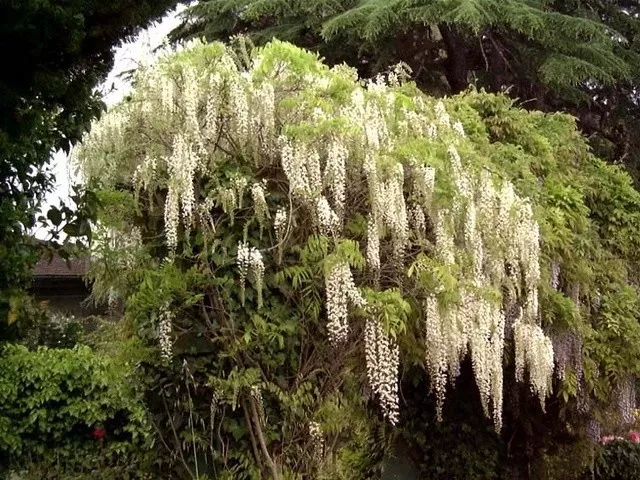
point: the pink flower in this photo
(607, 439)
(634, 437)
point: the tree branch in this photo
(252, 436)
(263, 445)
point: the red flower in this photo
(634, 437)
(98, 433)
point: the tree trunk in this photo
(456, 63)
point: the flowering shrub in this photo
(395, 190)
(291, 238)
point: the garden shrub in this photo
(618, 460)
(68, 412)
(36, 325)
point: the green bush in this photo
(618, 460)
(70, 408)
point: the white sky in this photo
(127, 57)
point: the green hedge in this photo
(55, 406)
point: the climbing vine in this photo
(290, 220)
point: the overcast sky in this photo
(127, 57)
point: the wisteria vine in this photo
(342, 150)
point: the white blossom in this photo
(279, 223)
(391, 203)
(373, 244)
(534, 350)
(239, 185)
(383, 359)
(257, 268)
(340, 292)
(335, 174)
(191, 96)
(555, 275)
(418, 220)
(165, 330)
(458, 128)
(171, 218)
(327, 218)
(442, 117)
(243, 259)
(294, 164)
(182, 165)
(167, 93)
(485, 234)
(145, 174)
(259, 203)
(212, 110)
(423, 184)
(249, 261)
(317, 438)
(444, 239)
(239, 109)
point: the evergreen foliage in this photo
(227, 252)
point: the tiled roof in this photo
(58, 267)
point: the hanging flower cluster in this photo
(336, 175)
(383, 360)
(250, 261)
(145, 174)
(260, 203)
(165, 330)
(535, 350)
(317, 438)
(280, 224)
(378, 164)
(340, 291)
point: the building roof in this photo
(58, 267)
